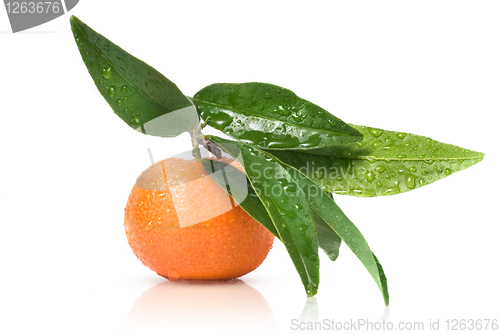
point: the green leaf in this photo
(223, 173)
(136, 92)
(324, 205)
(328, 240)
(384, 163)
(296, 185)
(383, 280)
(291, 215)
(228, 177)
(271, 117)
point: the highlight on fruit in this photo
(214, 212)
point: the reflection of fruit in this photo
(201, 307)
(223, 242)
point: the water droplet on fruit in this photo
(173, 275)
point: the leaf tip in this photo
(74, 20)
(311, 294)
(76, 25)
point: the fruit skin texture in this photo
(226, 246)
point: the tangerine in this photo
(181, 224)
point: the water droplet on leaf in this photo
(375, 132)
(111, 91)
(410, 181)
(298, 117)
(392, 191)
(106, 72)
(401, 135)
(319, 173)
(370, 176)
(389, 147)
(136, 120)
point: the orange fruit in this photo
(181, 224)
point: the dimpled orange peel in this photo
(165, 226)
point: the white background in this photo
(68, 163)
